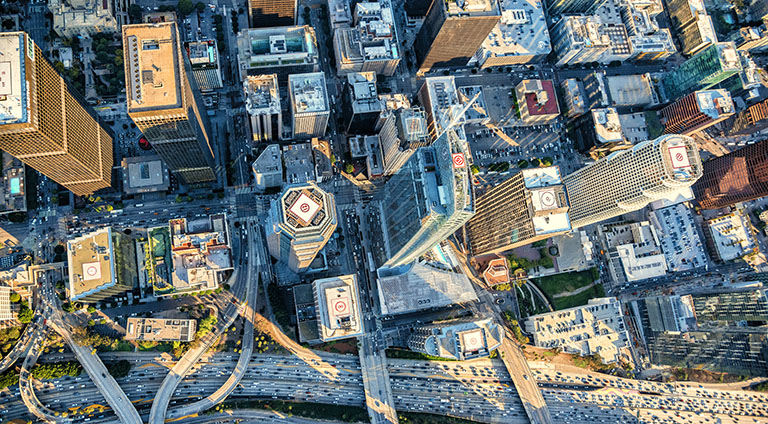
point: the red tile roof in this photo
(548, 108)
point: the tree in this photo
(349, 168)
(535, 162)
(522, 164)
(25, 314)
(475, 169)
(185, 7)
(15, 298)
(91, 323)
(134, 12)
(200, 6)
(9, 378)
(91, 309)
(119, 369)
(547, 161)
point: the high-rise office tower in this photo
(163, 102)
(262, 102)
(310, 108)
(560, 7)
(703, 70)
(453, 31)
(45, 124)
(750, 120)
(404, 131)
(696, 111)
(299, 224)
(441, 102)
(739, 176)
(628, 180)
(427, 200)
(694, 27)
(371, 43)
(529, 206)
(277, 50)
(361, 105)
(272, 13)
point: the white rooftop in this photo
(261, 94)
(522, 30)
(338, 307)
(607, 125)
(13, 82)
(715, 103)
(731, 236)
(308, 92)
(548, 199)
(638, 268)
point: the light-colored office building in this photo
(579, 40)
(427, 200)
(477, 112)
(75, 18)
(730, 236)
(752, 39)
(160, 330)
(297, 163)
(596, 328)
(101, 264)
(537, 102)
(460, 339)
(277, 50)
(529, 206)
(162, 101)
(268, 168)
(47, 126)
(402, 132)
(575, 97)
(520, 37)
(310, 108)
(262, 102)
(628, 180)
(371, 44)
(633, 251)
(337, 304)
(647, 40)
(679, 237)
(299, 225)
(144, 174)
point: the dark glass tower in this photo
(739, 176)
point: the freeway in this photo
(193, 356)
(376, 382)
(96, 370)
(21, 348)
(252, 291)
(480, 389)
(25, 385)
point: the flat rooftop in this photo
(461, 340)
(522, 30)
(14, 107)
(303, 206)
(539, 97)
(155, 329)
(144, 174)
(269, 161)
(423, 287)
(364, 94)
(91, 263)
(715, 103)
(153, 74)
(338, 307)
(471, 7)
(308, 92)
(497, 272)
(202, 54)
(731, 236)
(548, 201)
(679, 238)
(276, 46)
(478, 112)
(200, 250)
(607, 125)
(630, 90)
(262, 95)
(444, 100)
(297, 160)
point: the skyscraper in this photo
(272, 13)
(262, 102)
(739, 176)
(628, 180)
(310, 107)
(694, 27)
(703, 70)
(163, 103)
(45, 124)
(453, 31)
(427, 200)
(696, 111)
(529, 206)
(299, 224)
(750, 120)
(361, 105)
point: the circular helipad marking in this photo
(458, 160)
(547, 199)
(91, 270)
(679, 156)
(304, 207)
(340, 306)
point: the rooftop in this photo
(144, 174)
(91, 263)
(462, 340)
(595, 328)
(478, 112)
(548, 202)
(276, 46)
(714, 103)
(262, 95)
(201, 251)
(421, 287)
(673, 313)
(630, 90)
(522, 30)
(13, 188)
(607, 125)
(269, 161)
(308, 92)
(338, 307)
(153, 74)
(373, 37)
(445, 101)
(14, 106)
(297, 160)
(155, 329)
(540, 97)
(679, 237)
(202, 54)
(497, 272)
(304, 207)
(471, 7)
(731, 236)
(363, 89)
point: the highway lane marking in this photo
(181, 418)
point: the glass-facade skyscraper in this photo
(427, 200)
(703, 70)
